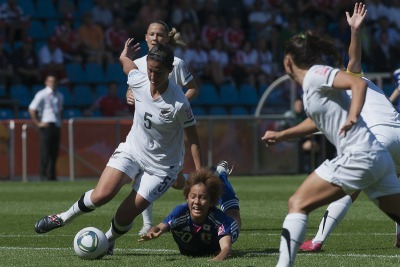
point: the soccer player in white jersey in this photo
(158, 32)
(153, 153)
(362, 163)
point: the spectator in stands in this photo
(102, 14)
(197, 60)
(152, 10)
(116, 36)
(219, 63)
(246, 65)
(91, 38)
(66, 8)
(234, 35)
(15, 22)
(268, 70)
(25, 63)
(6, 68)
(110, 105)
(189, 33)
(183, 11)
(376, 9)
(383, 59)
(68, 41)
(51, 60)
(211, 31)
(46, 113)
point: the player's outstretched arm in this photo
(302, 129)
(225, 244)
(355, 50)
(154, 232)
(129, 51)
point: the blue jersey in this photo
(200, 240)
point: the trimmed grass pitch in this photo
(364, 238)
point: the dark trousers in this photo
(49, 147)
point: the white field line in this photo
(249, 254)
(243, 233)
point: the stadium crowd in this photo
(232, 42)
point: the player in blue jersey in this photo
(200, 228)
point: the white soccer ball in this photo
(90, 243)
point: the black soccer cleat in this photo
(48, 223)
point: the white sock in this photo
(333, 215)
(117, 230)
(83, 205)
(293, 233)
(147, 215)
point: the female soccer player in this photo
(158, 32)
(198, 227)
(153, 151)
(362, 162)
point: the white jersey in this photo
(180, 74)
(328, 108)
(378, 110)
(156, 138)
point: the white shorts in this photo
(372, 172)
(389, 136)
(148, 185)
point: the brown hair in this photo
(212, 183)
(174, 37)
(308, 49)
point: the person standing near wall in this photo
(45, 111)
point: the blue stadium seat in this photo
(68, 99)
(23, 115)
(82, 96)
(29, 8)
(46, 9)
(229, 95)
(218, 111)
(199, 111)
(248, 95)
(39, 45)
(21, 93)
(209, 94)
(6, 114)
(115, 73)
(100, 90)
(36, 88)
(94, 73)
(75, 73)
(239, 111)
(37, 30)
(72, 113)
(3, 91)
(85, 6)
(51, 25)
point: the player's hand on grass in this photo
(153, 233)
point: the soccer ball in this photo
(90, 243)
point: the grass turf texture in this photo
(364, 238)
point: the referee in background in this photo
(45, 111)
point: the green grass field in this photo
(364, 238)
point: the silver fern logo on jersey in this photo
(164, 115)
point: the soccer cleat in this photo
(48, 223)
(310, 246)
(111, 245)
(397, 241)
(144, 229)
(221, 168)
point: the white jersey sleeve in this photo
(328, 108)
(180, 74)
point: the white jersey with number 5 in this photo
(180, 74)
(157, 134)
